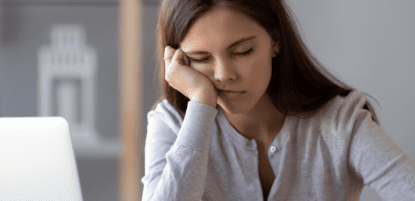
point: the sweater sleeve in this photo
(373, 155)
(176, 155)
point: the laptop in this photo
(37, 161)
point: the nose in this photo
(224, 72)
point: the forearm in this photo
(180, 173)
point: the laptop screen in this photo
(37, 161)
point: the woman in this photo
(249, 115)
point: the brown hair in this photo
(299, 83)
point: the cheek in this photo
(200, 68)
(259, 68)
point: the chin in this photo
(233, 108)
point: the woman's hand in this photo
(191, 83)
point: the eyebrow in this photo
(232, 45)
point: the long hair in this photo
(299, 83)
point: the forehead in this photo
(220, 27)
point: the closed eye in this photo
(239, 54)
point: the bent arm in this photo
(176, 163)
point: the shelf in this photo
(104, 149)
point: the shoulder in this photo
(338, 121)
(167, 113)
(346, 108)
(342, 114)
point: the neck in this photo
(263, 121)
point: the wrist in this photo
(207, 100)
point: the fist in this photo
(188, 81)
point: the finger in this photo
(176, 57)
(168, 54)
(184, 58)
(179, 57)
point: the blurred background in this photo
(367, 44)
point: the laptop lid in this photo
(37, 161)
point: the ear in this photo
(275, 43)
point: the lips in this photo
(231, 94)
(230, 91)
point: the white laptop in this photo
(37, 161)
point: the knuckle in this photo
(173, 63)
(167, 76)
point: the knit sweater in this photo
(329, 156)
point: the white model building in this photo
(66, 81)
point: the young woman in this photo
(249, 114)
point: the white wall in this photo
(370, 45)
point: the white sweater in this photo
(330, 156)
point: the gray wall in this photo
(26, 28)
